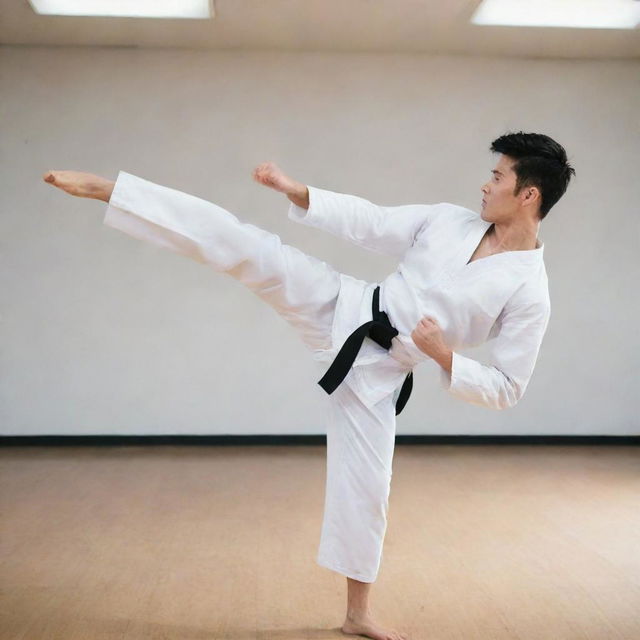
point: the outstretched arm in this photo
(386, 230)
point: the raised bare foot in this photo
(78, 183)
(365, 626)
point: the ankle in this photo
(357, 614)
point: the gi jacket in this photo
(502, 299)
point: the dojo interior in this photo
(163, 459)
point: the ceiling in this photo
(384, 26)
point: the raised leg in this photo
(301, 288)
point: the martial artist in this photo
(462, 279)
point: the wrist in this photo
(299, 195)
(445, 360)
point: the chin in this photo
(486, 215)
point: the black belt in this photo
(380, 331)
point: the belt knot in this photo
(381, 331)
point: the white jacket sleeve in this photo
(513, 354)
(387, 230)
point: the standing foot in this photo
(83, 185)
(364, 626)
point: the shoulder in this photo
(531, 299)
(456, 210)
(445, 209)
(455, 216)
(446, 215)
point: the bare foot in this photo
(78, 183)
(365, 626)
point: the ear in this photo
(531, 196)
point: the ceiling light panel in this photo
(125, 8)
(579, 14)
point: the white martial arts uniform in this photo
(503, 298)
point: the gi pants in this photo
(323, 306)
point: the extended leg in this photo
(301, 288)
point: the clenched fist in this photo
(270, 175)
(427, 336)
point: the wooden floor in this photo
(196, 542)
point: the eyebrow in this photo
(496, 171)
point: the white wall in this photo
(102, 334)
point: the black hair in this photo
(539, 161)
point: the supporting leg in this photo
(360, 444)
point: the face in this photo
(499, 203)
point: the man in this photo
(463, 279)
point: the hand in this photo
(427, 336)
(270, 175)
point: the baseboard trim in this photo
(320, 439)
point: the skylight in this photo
(125, 8)
(580, 14)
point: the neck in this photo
(514, 237)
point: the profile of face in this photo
(498, 202)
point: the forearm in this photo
(482, 385)
(512, 355)
(299, 195)
(445, 360)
